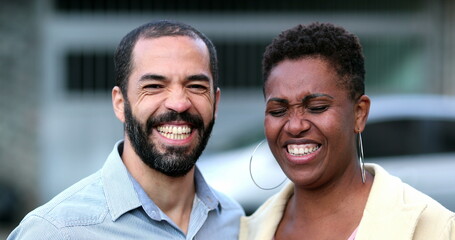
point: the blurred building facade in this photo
(19, 106)
(56, 71)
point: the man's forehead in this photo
(173, 51)
(171, 46)
(170, 40)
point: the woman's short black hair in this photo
(339, 47)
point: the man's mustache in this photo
(194, 120)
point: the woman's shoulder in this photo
(435, 220)
(264, 221)
(391, 186)
(402, 208)
(275, 203)
(434, 214)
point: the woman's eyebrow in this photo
(305, 99)
(315, 95)
(280, 100)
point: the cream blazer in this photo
(394, 210)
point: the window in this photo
(409, 137)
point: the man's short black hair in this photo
(327, 41)
(163, 28)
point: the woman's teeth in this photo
(174, 132)
(300, 150)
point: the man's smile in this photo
(175, 132)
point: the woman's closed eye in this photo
(277, 112)
(318, 108)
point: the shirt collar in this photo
(118, 188)
(203, 192)
(124, 193)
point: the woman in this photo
(315, 111)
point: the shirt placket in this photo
(198, 217)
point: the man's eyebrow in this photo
(196, 77)
(199, 77)
(152, 77)
(280, 100)
(315, 95)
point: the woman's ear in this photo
(362, 109)
(118, 103)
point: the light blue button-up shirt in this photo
(110, 204)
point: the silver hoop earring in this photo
(360, 156)
(251, 173)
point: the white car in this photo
(411, 136)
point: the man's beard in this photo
(176, 161)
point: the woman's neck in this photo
(333, 210)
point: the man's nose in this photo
(178, 101)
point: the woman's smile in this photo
(302, 150)
(302, 153)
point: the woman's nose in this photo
(297, 124)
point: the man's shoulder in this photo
(227, 202)
(81, 204)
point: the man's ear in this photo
(362, 109)
(217, 101)
(118, 103)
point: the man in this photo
(166, 95)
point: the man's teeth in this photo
(174, 132)
(300, 150)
